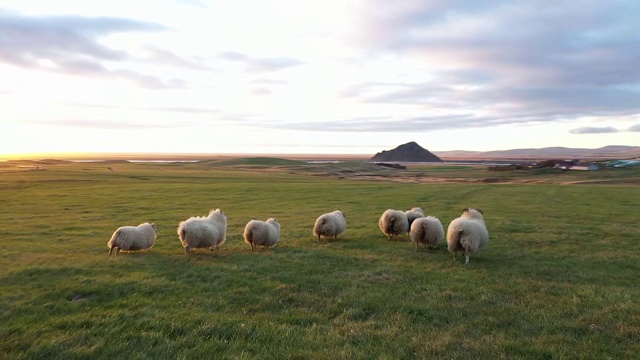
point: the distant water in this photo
(479, 162)
(139, 161)
(162, 161)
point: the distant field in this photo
(558, 279)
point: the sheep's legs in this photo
(466, 258)
(187, 251)
(253, 247)
(110, 250)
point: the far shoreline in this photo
(176, 157)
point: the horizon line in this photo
(97, 155)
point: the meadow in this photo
(559, 279)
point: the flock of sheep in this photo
(465, 234)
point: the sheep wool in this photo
(467, 233)
(262, 233)
(203, 231)
(393, 223)
(132, 238)
(330, 225)
(414, 213)
(427, 231)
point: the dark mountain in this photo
(409, 152)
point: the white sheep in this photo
(467, 233)
(330, 225)
(262, 233)
(414, 213)
(203, 232)
(428, 231)
(393, 223)
(132, 238)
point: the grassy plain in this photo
(559, 279)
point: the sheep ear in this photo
(465, 210)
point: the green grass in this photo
(558, 279)
(255, 161)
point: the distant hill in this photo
(606, 152)
(409, 152)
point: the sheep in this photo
(467, 233)
(393, 223)
(203, 232)
(330, 225)
(262, 233)
(414, 213)
(132, 238)
(428, 231)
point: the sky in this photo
(317, 77)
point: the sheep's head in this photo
(473, 213)
(274, 222)
(217, 212)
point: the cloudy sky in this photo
(332, 76)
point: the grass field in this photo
(559, 279)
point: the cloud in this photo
(169, 58)
(260, 65)
(149, 81)
(171, 109)
(70, 45)
(264, 87)
(260, 91)
(269, 82)
(188, 110)
(385, 124)
(594, 130)
(634, 128)
(95, 123)
(558, 62)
